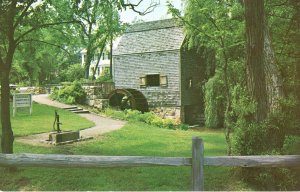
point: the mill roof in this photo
(154, 36)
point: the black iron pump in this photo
(56, 121)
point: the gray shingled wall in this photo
(150, 41)
(156, 48)
(129, 68)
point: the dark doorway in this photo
(193, 115)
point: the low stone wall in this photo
(33, 90)
(97, 96)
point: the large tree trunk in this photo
(0, 116)
(272, 74)
(98, 60)
(7, 137)
(88, 60)
(87, 65)
(254, 11)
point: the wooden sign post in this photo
(22, 100)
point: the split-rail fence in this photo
(197, 161)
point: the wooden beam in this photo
(254, 161)
(197, 164)
(84, 161)
(77, 161)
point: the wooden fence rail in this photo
(196, 162)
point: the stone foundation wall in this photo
(168, 112)
(192, 116)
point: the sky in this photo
(160, 12)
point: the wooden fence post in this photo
(197, 164)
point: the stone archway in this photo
(128, 99)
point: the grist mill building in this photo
(154, 70)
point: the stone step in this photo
(71, 107)
(81, 111)
(75, 109)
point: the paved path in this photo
(102, 124)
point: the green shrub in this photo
(133, 115)
(54, 93)
(104, 76)
(265, 138)
(70, 94)
(72, 73)
(115, 114)
(149, 118)
(258, 138)
(214, 102)
(270, 179)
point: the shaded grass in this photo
(135, 139)
(42, 118)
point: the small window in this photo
(153, 80)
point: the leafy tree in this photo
(100, 23)
(257, 104)
(104, 76)
(19, 20)
(99, 20)
(45, 56)
(217, 27)
(73, 72)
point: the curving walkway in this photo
(102, 124)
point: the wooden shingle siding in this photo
(150, 41)
(129, 68)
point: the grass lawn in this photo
(42, 118)
(135, 139)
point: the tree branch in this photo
(134, 6)
(20, 18)
(279, 4)
(42, 26)
(44, 42)
(4, 45)
(190, 24)
(1, 60)
(99, 58)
